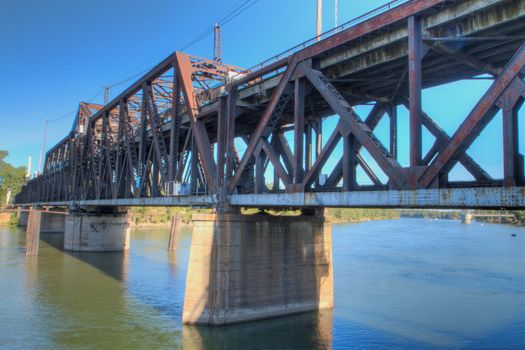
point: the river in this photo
(400, 284)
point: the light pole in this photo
(319, 18)
(40, 162)
(336, 12)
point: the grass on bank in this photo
(142, 216)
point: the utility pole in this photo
(336, 12)
(217, 44)
(28, 173)
(40, 162)
(319, 18)
(106, 95)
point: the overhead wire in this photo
(237, 9)
(74, 111)
(228, 17)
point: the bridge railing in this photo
(357, 20)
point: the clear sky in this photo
(55, 53)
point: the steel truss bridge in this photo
(254, 137)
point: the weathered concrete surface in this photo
(466, 218)
(23, 217)
(243, 268)
(97, 232)
(33, 232)
(52, 222)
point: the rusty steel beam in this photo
(323, 157)
(441, 138)
(274, 159)
(175, 127)
(371, 120)
(475, 122)
(414, 86)
(361, 131)
(185, 70)
(510, 103)
(263, 123)
(465, 59)
(298, 168)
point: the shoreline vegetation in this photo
(161, 216)
(517, 220)
(8, 219)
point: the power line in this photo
(75, 110)
(236, 11)
(227, 18)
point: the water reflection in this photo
(303, 331)
(113, 264)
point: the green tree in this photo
(11, 178)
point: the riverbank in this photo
(161, 216)
(517, 220)
(8, 219)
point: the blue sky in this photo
(55, 53)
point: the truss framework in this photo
(182, 122)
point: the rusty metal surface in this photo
(488, 197)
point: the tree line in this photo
(11, 178)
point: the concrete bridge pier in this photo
(97, 229)
(23, 216)
(34, 221)
(248, 267)
(466, 217)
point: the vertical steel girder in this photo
(185, 70)
(175, 128)
(298, 168)
(265, 126)
(414, 86)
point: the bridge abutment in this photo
(97, 230)
(248, 267)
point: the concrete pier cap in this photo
(97, 229)
(249, 267)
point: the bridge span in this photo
(287, 134)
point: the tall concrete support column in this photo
(33, 232)
(466, 217)
(97, 230)
(248, 267)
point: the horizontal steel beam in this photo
(479, 197)
(178, 201)
(474, 197)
